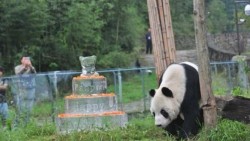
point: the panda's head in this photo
(164, 107)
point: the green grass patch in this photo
(139, 128)
(227, 130)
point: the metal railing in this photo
(51, 85)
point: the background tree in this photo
(54, 33)
(217, 18)
(182, 17)
(22, 25)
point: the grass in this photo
(227, 130)
(140, 128)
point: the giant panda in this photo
(175, 105)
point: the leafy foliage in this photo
(55, 33)
(115, 59)
(182, 20)
(217, 18)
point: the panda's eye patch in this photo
(153, 114)
(164, 113)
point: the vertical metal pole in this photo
(120, 88)
(115, 82)
(54, 98)
(237, 27)
(143, 88)
(229, 77)
(55, 82)
(215, 69)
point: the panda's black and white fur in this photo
(176, 103)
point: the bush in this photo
(115, 60)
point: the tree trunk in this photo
(208, 100)
(162, 34)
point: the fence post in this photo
(230, 81)
(115, 81)
(120, 88)
(143, 89)
(54, 98)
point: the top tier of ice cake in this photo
(91, 84)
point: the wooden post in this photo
(208, 100)
(162, 34)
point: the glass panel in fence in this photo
(126, 90)
(224, 77)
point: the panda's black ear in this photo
(167, 92)
(152, 92)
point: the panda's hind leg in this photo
(191, 124)
(199, 121)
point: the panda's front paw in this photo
(182, 136)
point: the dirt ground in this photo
(147, 60)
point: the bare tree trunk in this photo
(208, 100)
(162, 34)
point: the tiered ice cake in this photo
(89, 106)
